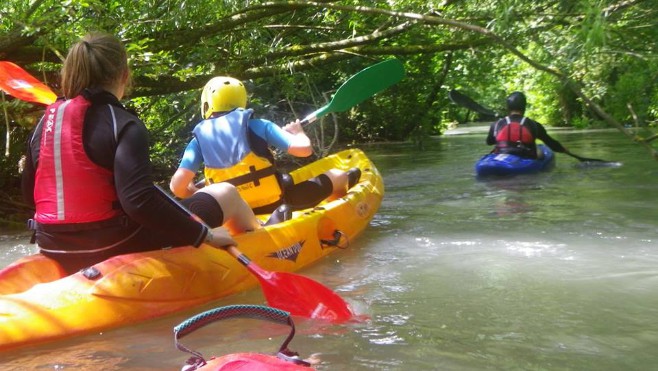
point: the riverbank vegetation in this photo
(582, 63)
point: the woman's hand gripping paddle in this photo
(20, 84)
(360, 87)
(299, 295)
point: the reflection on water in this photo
(556, 271)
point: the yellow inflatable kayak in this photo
(38, 304)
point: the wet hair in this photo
(97, 60)
(516, 102)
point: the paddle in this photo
(20, 84)
(594, 160)
(468, 102)
(360, 87)
(293, 293)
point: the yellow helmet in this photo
(222, 94)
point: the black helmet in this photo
(516, 102)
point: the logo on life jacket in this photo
(50, 120)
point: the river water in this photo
(555, 271)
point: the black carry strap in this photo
(232, 311)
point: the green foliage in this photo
(170, 122)
(294, 54)
(9, 163)
(630, 92)
(592, 30)
(581, 122)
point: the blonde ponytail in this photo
(97, 60)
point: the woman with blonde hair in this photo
(88, 172)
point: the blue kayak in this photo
(506, 164)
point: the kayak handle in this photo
(237, 311)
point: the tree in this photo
(583, 61)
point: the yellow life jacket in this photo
(254, 177)
(228, 157)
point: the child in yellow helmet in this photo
(234, 147)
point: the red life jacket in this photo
(513, 135)
(70, 189)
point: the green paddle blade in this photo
(360, 87)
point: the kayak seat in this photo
(281, 214)
(353, 177)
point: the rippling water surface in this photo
(556, 271)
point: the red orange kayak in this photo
(38, 304)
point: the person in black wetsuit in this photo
(88, 173)
(516, 134)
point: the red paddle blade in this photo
(20, 84)
(301, 296)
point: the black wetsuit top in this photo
(151, 222)
(538, 131)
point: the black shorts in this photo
(302, 195)
(205, 207)
(81, 249)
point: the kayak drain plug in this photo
(91, 273)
